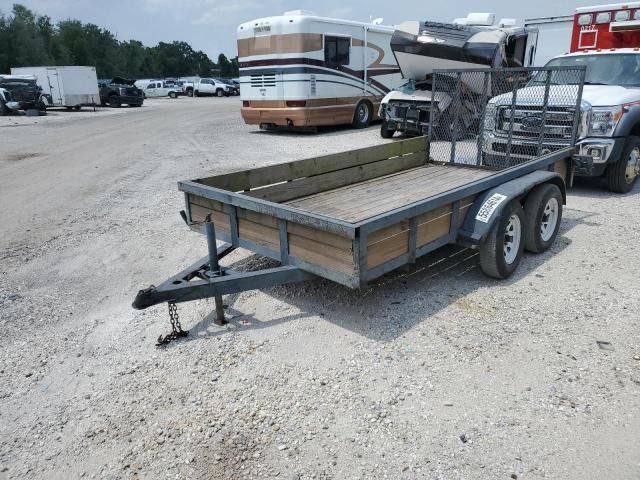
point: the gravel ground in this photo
(432, 372)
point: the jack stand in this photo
(214, 268)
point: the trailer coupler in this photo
(197, 282)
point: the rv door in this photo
(54, 86)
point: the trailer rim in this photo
(512, 238)
(549, 219)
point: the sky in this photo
(210, 25)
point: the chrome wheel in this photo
(549, 219)
(363, 113)
(512, 239)
(633, 165)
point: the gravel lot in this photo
(433, 372)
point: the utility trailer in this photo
(353, 216)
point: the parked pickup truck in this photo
(209, 86)
(609, 130)
(162, 88)
(120, 91)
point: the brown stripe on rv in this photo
(277, 44)
(356, 42)
(314, 102)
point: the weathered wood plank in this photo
(322, 254)
(387, 249)
(259, 234)
(260, 177)
(303, 187)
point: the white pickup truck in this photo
(610, 128)
(208, 86)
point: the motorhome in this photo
(423, 47)
(303, 70)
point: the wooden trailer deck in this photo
(349, 217)
(358, 202)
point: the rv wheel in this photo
(362, 117)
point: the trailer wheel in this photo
(543, 214)
(362, 115)
(501, 252)
(385, 131)
(622, 174)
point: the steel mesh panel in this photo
(503, 117)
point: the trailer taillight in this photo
(296, 103)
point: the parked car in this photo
(213, 86)
(120, 91)
(161, 88)
(7, 102)
(25, 90)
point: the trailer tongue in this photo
(354, 216)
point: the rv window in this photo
(516, 49)
(336, 51)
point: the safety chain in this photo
(176, 328)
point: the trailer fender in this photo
(488, 206)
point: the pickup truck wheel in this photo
(172, 95)
(362, 115)
(622, 175)
(190, 93)
(114, 101)
(196, 93)
(385, 131)
(220, 93)
(501, 252)
(543, 214)
(3, 109)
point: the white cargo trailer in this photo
(70, 87)
(554, 36)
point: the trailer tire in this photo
(501, 252)
(543, 214)
(622, 175)
(362, 115)
(385, 131)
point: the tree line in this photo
(28, 39)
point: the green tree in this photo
(27, 39)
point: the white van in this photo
(303, 70)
